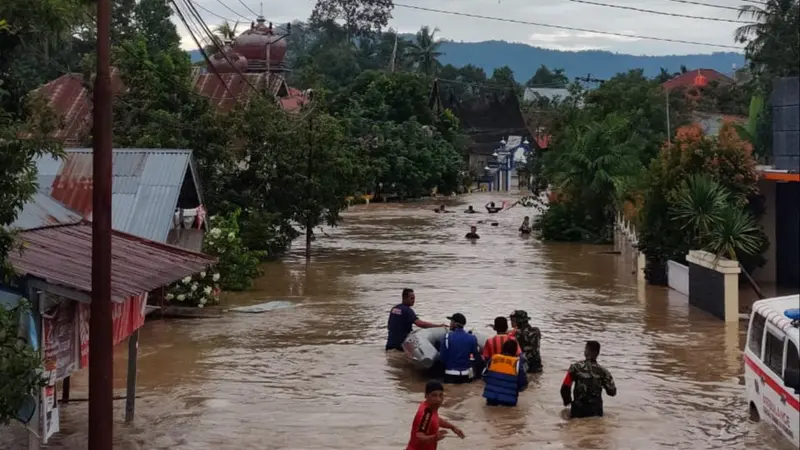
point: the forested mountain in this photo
(524, 59)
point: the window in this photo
(773, 354)
(792, 357)
(757, 334)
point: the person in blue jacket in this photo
(459, 352)
(504, 376)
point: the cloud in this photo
(553, 12)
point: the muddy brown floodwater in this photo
(315, 376)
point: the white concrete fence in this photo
(678, 277)
(626, 242)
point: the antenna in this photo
(262, 8)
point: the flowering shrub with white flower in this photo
(235, 271)
(200, 290)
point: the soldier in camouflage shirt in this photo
(589, 378)
(528, 338)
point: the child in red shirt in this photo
(428, 428)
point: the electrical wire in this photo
(662, 13)
(710, 5)
(235, 13)
(249, 9)
(564, 27)
(215, 14)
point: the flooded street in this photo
(315, 376)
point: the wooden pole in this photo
(309, 230)
(101, 363)
(65, 389)
(133, 359)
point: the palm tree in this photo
(424, 50)
(699, 204)
(773, 40)
(225, 31)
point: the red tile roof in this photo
(62, 255)
(71, 100)
(696, 77)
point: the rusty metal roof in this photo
(145, 189)
(42, 211)
(71, 100)
(241, 86)
(62, 255)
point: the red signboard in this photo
(59, 339)
(128, 317)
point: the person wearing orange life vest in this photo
(505, 377)
(494, 344)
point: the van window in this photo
(773, 354)
(792, 358)
(757, 334)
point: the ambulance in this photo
(772, 365)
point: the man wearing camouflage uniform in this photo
(528, 338)
(589, 378)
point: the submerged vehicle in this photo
(422, 346)
(772, 365)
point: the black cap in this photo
(433, 386)
(458, 318)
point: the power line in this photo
(249, 9)
(235, 13)
(214, 14)
(564, 27)
(662, 13)
(710, 5)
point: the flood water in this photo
(315, 376)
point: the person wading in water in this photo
(428, 428)
(528, 338)
(505, 376)
(589, 378)
(473, 233)
(525, 228)
(492, 209)
(401, 321)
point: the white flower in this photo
(194, 287)
(181, 298)
(215, 277)
(187, 280)
(170, 296)
(209, 242)
(200, 305)
(207, 290)
(231, 236)
(216, 232)
(203, 301)
(203, 274)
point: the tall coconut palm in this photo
(773, 40)
(425, 50)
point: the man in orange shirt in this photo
(494, 345)
(428, 428)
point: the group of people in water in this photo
(504, 362)
(491, 208)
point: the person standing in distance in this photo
(402, 319)
(589, 378)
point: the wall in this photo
(786, 123)
(787, 234)
(707, 290)
(767, 273)
(678, 276)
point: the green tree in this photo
(425, 50)
(360, 17)
(544, 77)
(225, 31)
(773, 40)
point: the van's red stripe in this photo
(774, 385)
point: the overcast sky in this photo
(554, 12)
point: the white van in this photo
(772, 364)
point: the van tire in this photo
(754, 415)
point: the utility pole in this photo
(101, 367)
(309, 190)
(669, 127)
(394, 55)
(588, 79)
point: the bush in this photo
(20, 365)
(567, 221)
(726, 160)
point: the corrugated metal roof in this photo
(71, 100)
(41, 211)
(62, 255)
(145, 188)
(550, 93)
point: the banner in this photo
(50, 419)
(128, 316)
(59, 339)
